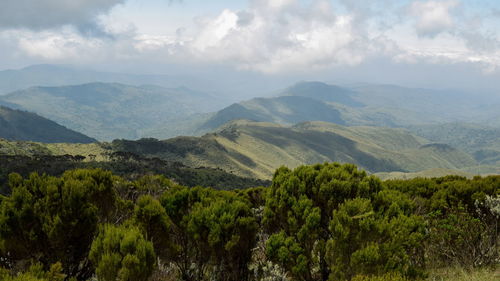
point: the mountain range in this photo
(385, 129)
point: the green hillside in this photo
(22, 125)
(108, 110)
(256, 149)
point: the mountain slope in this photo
(256, 149)
(110, 110)
(22, 125)
(305, 101)
(282, 110)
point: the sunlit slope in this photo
(258, 148)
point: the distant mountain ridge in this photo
(26, 126)
(365, 105)
(49, 75)
(323, 92)
(108, 111)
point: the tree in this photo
(299, 208)
(213, 233)
(51, 219)
(227, 228)
(122, 253)
(152, 219)
(372, 241)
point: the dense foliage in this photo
(127, 165)
(320, 222)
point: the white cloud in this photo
(288, 37)
(433, 17)
(279, 36)
(61, 45)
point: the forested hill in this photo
(22, 125)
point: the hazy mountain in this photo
(481, 141)
(109, 110)
(311, 101)
(282, 110)
(362, 105)
(62, 75)
(256, 149)
(234, 86)
(323, 92)
(428, 106)
(22, 125)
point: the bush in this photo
(51, 219)
(122, 253)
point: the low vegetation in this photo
(322, 222)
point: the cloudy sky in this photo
(434, 43)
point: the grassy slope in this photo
(256, 149)
(22, 125)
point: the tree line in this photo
(321, 222)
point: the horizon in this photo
(448, 44)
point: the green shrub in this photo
(51, 219)
(122, 253)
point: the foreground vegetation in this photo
(320, 222)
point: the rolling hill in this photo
(256, 149)
(22, 125)
(249, 149)
(108, 111)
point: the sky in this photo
(422, 43)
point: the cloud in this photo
(433, 17)
(274, 37)
(44, 14)
(280, 36)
